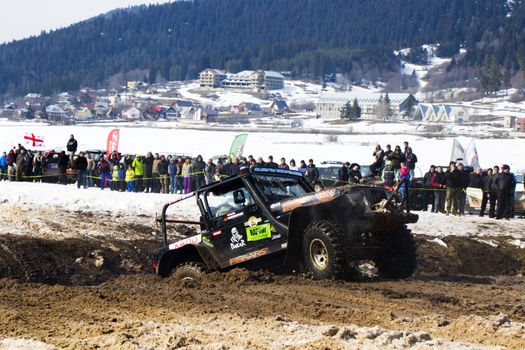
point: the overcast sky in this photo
(22, 18)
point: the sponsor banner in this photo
(237, 146)
(112, 142)
(256, 233)
(249, 256)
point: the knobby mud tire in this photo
(327, 236)
(189, 272)
(397, 257)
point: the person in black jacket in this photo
(71, 147)
(475, 179)
(343, 174)
(463, 190)
(493, 195)
(354, 175)
(148, 182)
(311, 173)
(427, 195)
(486, 182)
(63, 163)
(505, 183)
(439, 181)
(454, 182)
(81, 166)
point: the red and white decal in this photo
(233, 215)
(191, 240)
(216, 233)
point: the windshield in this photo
(276, 188)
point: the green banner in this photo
(256, 233)
(238, 146)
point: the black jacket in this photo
(312, 174)
(487, 182)
(475, 180)
(354, 176)
(427, 179)
(72, 145)
(343, 173)
(148, 166)
(504, 182)
(454, 179)
(81, 163)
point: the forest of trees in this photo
(308, 38)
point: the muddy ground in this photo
(71, 280)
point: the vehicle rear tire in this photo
(322, 250)
(189, 272)
(397, 257)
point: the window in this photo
(222, 203)
(276, 188)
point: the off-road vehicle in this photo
(273, 216)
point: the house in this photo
(34, 101)
(211, 78)
(131, 114)
(279, 107)
(509, 122)
(172, 113)
(54, 112)
(248, 108)
(441, 113)
(187, 112)
(206, 114)
(330, 103)
(84, 113)
(101, 109)
(153, 112)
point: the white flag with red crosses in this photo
(33, 140)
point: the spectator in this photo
(164, 177)
(130, 179)
(148, 173)
(155, 172)
(387, 153)
(283, 164)
(260, 163)
(198, 169)
(428, 195)
(311, 173)
(397, 158)
(410, 161)
(71, 147)
(403, 178)
(343, 174)
(127, 161)
(121, 177)
(271, 164)
(63, 163)
(302, 167)
(388, 176)
(354, 175)
(89, 170)
(3, 167)
(486, 184)
(81, 165)
(179, 188)
(463, 190)
(493, 195)
(114, 178)
(377, 165)
(453, 183)
(475, 179)
(11, 165)
(234, 168)
(104, 170)
(138, 169)
(38, 162)
(293, 166)
(505, 184)
(209, 171)
(172, 171)
(186, 174)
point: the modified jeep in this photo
(274, 217)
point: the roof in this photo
(280, 104)
(54, 109)
(273, 74)
(184, 103)
(252, 106)
(363, 97)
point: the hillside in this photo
(308, 38)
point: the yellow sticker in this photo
(256, 233)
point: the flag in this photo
(112, 143)
(457, 151)
(238, 146)
(33, 141)
(471, 155)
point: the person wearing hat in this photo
(403, 178)
(506, 184)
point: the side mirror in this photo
(238, 197)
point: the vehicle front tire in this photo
(189, 272)
(322, 250)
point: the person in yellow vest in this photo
(114, 178)
(130, 179)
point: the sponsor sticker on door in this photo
(258, 232)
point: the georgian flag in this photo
(32, 140)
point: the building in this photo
(441, 113)
(131, 114)
(509, 122)
(330, 104)
(54, 112)
(211, 78)
(247, 79)
(520, 124)
(206, 114)
(279, 107)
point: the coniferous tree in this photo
(356, 110)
